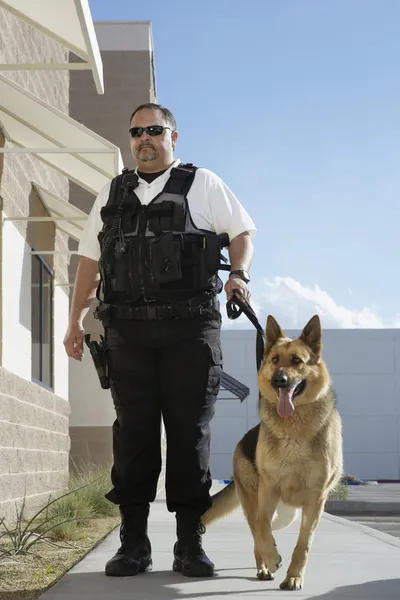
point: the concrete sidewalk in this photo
(347, 561)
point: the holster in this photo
(98, 353)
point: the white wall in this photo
(34, 436)
(16, 309)
(60, 324)
(232, 418)
(16, 313)
(365, 369)
(91, 406)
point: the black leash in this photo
(238, 305)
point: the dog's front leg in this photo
(265, 546)
(311, 515)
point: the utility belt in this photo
(107, 312)
(189, 309)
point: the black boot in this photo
(189, 556)
(134, 555)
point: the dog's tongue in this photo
(285, 404)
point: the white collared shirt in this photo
(212, 206)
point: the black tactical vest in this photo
(155, 252)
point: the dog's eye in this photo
(275, 360)
(296, 360)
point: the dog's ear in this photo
(273, 333)
(312, 336)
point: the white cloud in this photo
(293, 304)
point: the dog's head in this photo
(292, 372)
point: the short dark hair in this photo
(167, 114)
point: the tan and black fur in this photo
(286, 462)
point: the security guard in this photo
(151, 251)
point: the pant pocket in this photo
(215, 368)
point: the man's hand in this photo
(73, 341)
(86, 282)
(236, 283)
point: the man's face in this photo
(157, 149)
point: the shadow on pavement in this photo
(374, 590)
(166, 585)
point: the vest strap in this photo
(180, 180)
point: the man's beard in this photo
(147, 154)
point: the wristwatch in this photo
(242, 274)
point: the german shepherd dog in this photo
(293, 457)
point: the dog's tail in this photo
(284, 516)
(223, 503)
(226, 501)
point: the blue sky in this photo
(296, 105)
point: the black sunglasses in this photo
(152, 130)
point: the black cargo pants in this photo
(167, 369)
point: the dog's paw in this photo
(264, 575)
(292, 583)
(273, 561)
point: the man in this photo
(153, 240)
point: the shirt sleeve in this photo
(89, 244)
(226, 212)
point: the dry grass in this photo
(87, 503)
(28, 576)
(340, 492)
(85, 518)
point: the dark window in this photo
(42, 322)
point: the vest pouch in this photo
(112, 214)
(108, 214)
(118, 259)
(208, 259)
(166, 258)
(129, 217)
(213, 254)
(121, 274)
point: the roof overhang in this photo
(36, 127)
(67, 217)
(68, 22)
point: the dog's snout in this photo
(280, 380)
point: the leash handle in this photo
(237, 305)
